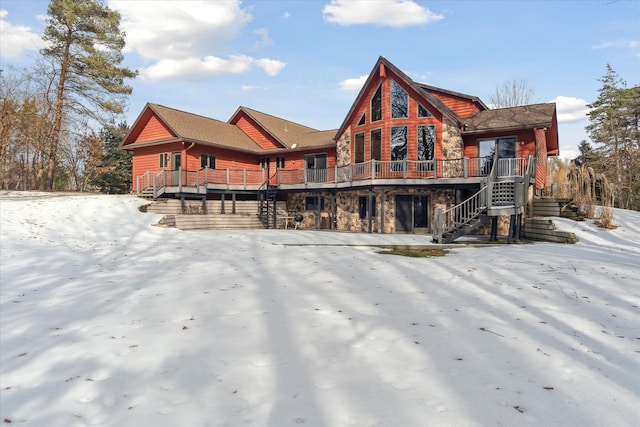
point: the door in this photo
(176, 161)
(412, 214)
(420, 212)
(316, 167)
(176, 164)
(404, 213)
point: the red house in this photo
(408, 157)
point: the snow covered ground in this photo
(107, 320)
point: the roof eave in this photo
(507, 128)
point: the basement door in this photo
(411, 213)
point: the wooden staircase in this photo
(499, 195)
(212, 215)
(212, 222)
(267, 199)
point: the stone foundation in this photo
(347, 208)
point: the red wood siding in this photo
(225, 159)
(147, 159)
(255, 132)
(541, 164)
(154, 129)
(461, 107)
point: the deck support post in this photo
(494, 229)
(438, 224)
(233, 203)
(370, 210)
(222, 203)
(512, 226)
(333, 211)
(318, 200)
(381, 212)
(518, 226)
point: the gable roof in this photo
(190, 127)
(471, 98)
(431, 99)
(513, 118)
(289, 134)
(193, 128)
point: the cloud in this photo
(270, 66)
(248, 88)
(634, 45)
(16, 39)
(200, 68)
(265, 40)
(189, 39)
(353, 85)
(571, 109)
(392, 13)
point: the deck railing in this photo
(370, 170)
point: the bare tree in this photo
(512, 93)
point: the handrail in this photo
(466, 167)
(459, 215)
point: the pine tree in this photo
(614, 127)
(113, 174)
(84, 42)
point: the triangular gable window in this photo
(363, 119)
(423, 112)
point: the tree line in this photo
(614, 129)
(60, 120)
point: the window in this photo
(316, 167)
(363, 119)
(423, 112)
(363, 207)
(399, 101)
(311, 203)
(359, 147)
(264, 163)
(280, 162)
(376, 105)
(426, 142)
(398, 143)
(376, 144)
(164, 160)
(506, 148)
(207, 161)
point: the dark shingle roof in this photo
(523, 117)
(287, 132)
(192, 127)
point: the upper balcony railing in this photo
(357, 172)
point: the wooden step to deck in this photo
(544, 229)
(212, 222)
